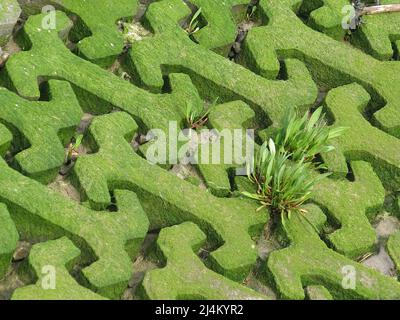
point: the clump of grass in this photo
(282, 185)
(307, 136)
(284, 168)
(193, 25)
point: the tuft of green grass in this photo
(193, 25)
(282, 185)
(283, 170)
(307, 136)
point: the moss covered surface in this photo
(52, 259)
(166, 199)
(6, 139)
(230, 121)
(183, 267)
(318, 292)
(332, 63)
(296, 49)
(219, 33)
(393, 247)
(95, 32)
(9, 14)
(326, 18)
(41, 214)
(213, 75)
(8, 240)
(308, 261)
(359, 200)
(41, 129)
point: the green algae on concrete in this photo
(393, 247)
(167, 199)
(5, 140)
(9, 14)
(8, 240)
(351, 205)
(96, 31)
(362, 140)
(185, 276)
(41, 129)
(332, 63)
(49, 57)
(282, 55)
(308, 261)
(229, 122)
(53, 259)
(318, 293)
(214, 75)
(107, 241)
(379, 34)
(327, 18)
(219, 33)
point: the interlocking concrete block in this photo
(9, 14)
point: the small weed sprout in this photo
(72, 151)
(196, 119)
(251, 13)
(283, 170)
(193, 26)
(125, 76)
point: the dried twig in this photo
(363, 10)
(380, 9)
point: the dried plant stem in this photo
(380, 9)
